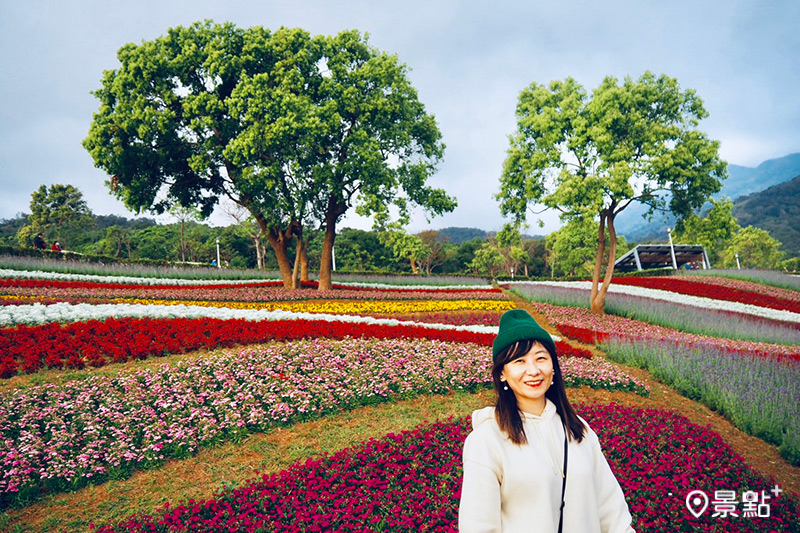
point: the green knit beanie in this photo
(518, 325)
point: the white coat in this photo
(509, 488)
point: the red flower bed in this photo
(25, 349)
(412, 482)
(710, 290)
(95, 343)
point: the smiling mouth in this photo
(534, 384)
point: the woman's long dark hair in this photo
(506, 409)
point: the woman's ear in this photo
(502, 377)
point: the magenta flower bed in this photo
(745, 285)
(411, 483)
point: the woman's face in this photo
(529, 377)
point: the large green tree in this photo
(714, 231)
(754, 248)
(59, 212)
(296, 129)
(381, 144)
(634, 141)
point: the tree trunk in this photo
(327, 254)
(183, 242)
(304, 261)
(262, 257)
(279, 240)
(259, 252)
(300, 271)
(333, 212)
(598, 296)
(296, 268)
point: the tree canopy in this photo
(634, 141)
(754, 248)
(573, 248)
(296, 129)
(714, 231)
(58, 212)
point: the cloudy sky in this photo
(469, 60)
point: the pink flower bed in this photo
(692, 286)
(582, 325)
(60, 437)
(741, 284)
(411, 482)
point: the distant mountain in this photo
(741, 181)
(744, 181)
(776, 210)
(461, 235)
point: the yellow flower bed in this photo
(15, 297)
(346, 307)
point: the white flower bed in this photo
(64, 312)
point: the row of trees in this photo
(60, 213)
(727, 244)
(570, 251)
(242, 246)
(296, 130)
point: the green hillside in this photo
(776, 210)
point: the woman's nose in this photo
(532, 368)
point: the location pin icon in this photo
(697, 502)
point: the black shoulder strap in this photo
(563, 484)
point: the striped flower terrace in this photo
(58, 438)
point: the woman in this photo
(531, 453)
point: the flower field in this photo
(754, 384)
(411, 482)
(722, 289)
(690, 314)
(100, 427)
(257, 358)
